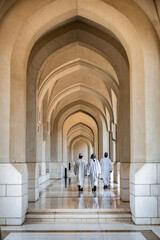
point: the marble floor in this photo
(110, 230)
(63, 194)
(75, 236)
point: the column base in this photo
(12, 221)
(139, 221)
(124, 181)
(116, 174)
(56, 170)
(145, 193)
(124, 194)
(149, 221)
(33, 182)
(13, 193)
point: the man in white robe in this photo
(106, 168)
(93, 171)
(80, 170)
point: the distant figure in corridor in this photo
(80, 170)
(93, 171)
(106, 168)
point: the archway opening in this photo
(75, 77)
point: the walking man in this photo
(106, 168)
(93, 171)
(80, 170)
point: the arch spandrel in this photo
(78, 89)
(78, 51)
(85, 74)
(77, 138)
(79, 126)
(88, 109)
(76, 106)
(73, 120)
(80, 134)
(79, 117)
(80, 129)
(97, 107)
(84, 77)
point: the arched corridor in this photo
(79, 77)
(78, 97)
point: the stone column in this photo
(33, 182)
(56, 169)
(13, 193)
(110, 146)
(144, 193)
(124, 181)
(116, 175)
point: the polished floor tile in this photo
(63, 194)
(110, 225)
(76, 236)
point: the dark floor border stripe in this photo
(148, 234)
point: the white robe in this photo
(106, 168)
(93, 170)
(80, 170)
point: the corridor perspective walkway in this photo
(62, 195)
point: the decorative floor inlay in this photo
(76, 236)
(80, 235)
